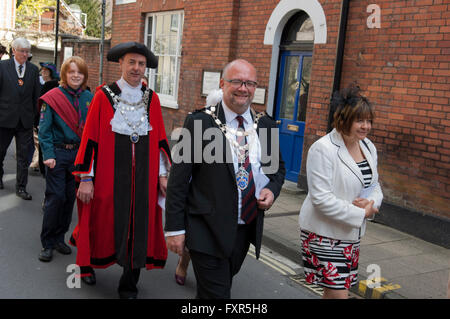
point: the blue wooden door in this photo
(292, 96)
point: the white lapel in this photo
(345, 156)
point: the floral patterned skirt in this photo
(329, 262)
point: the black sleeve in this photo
(179, 177)
(276, 179)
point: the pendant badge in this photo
(242, 178)
(134, 137)
(20, 82)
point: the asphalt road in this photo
(23, 276)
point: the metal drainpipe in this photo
(102, 44)
(339, 57)
(55, 54)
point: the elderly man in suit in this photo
(215, 206)
(19, 92)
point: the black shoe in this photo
(90, 280)
(46, 254)
(1, 184)
(62, 248)
(22, 193)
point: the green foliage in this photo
(28, 11)
(93, 9)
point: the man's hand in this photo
(86, 192)
(176, 244)
(265, 199)
(50, 163)
(163, 185)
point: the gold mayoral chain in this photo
(124, 106)
(241, 151)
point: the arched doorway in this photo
(294, 74)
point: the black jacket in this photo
(206, 206)
(18, 102)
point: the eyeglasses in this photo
(23, 51)
(236, 83)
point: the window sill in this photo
(169, 103)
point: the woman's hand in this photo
(370, 210)
(360, 202)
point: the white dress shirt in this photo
(259, 178)
(17, 68)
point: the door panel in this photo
(288, 98)
(293, 85)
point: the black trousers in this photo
(128, 282)
(24, 140)
(60, 196)
(214, 275)
(130, 276)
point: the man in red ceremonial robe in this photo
(122, 164)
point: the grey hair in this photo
(20, 43)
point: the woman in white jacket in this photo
(343, 191)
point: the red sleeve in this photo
(162, 137)
(89, 141)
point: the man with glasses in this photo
(216, 208)
(19, 92)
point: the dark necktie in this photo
(248, 200)
(76, 104)
(20, 70)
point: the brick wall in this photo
(322, 77)
(207, 45)
(405, 71)
(403, 68)
(90, 51)
(253, 18)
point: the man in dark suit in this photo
(19, 92)
(215, 204)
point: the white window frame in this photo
(170, 101)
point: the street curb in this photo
(281, 246)
(382, 291)
(292, 189)
(362, 288)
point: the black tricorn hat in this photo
(118, 51)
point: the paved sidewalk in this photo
(409, 267)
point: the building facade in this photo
(398, 52)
